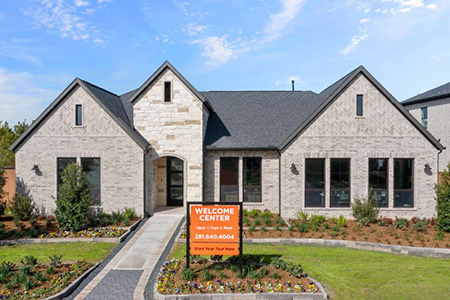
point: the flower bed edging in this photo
(272, 296)
(71, 287)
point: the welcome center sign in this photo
(214, 228)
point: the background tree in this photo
(74, 199)
(8, 136)
(443, 201)
(2, 193)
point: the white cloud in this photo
(216, 49)
(80, 3)
(363, 21)
(432, 6)
(101, 1)
(287, 82)
(193, 29)
(354, 42)
(279, 21)
(99, 41)
(410, 3)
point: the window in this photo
(359, 105)
(92, 168)
(229, 179)
(378, 180)
(314, 182)
(167, 91)
(252, 179)
(403, 182)
(78, 115)
(62, 163)
(424, 112)
(339, 182)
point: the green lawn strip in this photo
(356, 274)
(72, 252)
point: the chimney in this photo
(293, 85)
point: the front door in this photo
(174, 181)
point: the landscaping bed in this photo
(256, 276)
(30, 280)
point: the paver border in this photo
(117, 240)
(366, 246)
(248, 296)
(71, 287)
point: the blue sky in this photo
(217, 45)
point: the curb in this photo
(71, 287)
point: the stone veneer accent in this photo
(122, 159)
(270, 176)
(173, 129)
(383, 132)
(438, 125)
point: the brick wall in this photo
(100, 136)
(381, 133)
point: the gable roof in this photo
(442, 91)
(167, 65)
(110, 102)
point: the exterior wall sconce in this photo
(35, 168)
(293, 168)
(427, 168)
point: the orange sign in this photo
(214, 230)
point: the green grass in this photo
(366, 275)
(91, 252)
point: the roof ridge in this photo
(259, 91)
(419, 96)
(100, 88)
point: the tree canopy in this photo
(8, 135)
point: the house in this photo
(166, 143)
(432, 109)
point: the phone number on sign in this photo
(214, 237)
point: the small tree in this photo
(443, 201)
(365, 210)
(74, 199)
(2, 193)
(22, 207)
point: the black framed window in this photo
(359, 105)
(340, 182)
(424, 115)
(92, 168)
(403, 182)
(378, 180)
(229, 179)
(78, 115)
(167, 91)
(62, 163)
(314, 182)
(252, 179)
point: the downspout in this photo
(279, 182)
(440, 151)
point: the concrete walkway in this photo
(127, 274)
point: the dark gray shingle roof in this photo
(256, 119)
(436, 93)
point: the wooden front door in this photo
(175, 180)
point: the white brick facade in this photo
(122, 159)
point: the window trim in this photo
(360, 97)
(170, 91)
(220, 178)
(243, 183)
(81, 165)
(76, 115)
(387, 179)
(422, 109)
(349, 182)
(316, 190)
(412, 183)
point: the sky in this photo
(217, 45)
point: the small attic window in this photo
(78, 115)
(167, 91)
(359, 105)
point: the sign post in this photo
(214, 228)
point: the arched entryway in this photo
(175, 181)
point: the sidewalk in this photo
(127, 274)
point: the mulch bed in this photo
(224, 278)
(40, 286)
(47, 228)
(373, 233)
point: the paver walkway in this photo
(127, 274)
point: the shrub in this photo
(29, 260)
(267, 221)
(74, 199)
(341, 221)
(257, 222)
(302, 216)
(246, 221)
(279, 221)
(188, 274)
(319, 219)
(303, 227)
(401, 223)
(2, 230)
(129, 213)
(279, 263)
(254, 213)
(216, 258)
(207, 274)
(385, 222)
(420, 224)
(365, 210)
(266, 214)
(55, 260)
(2, 207)
(443, 201)
(22, 207)
(116, 217)
(439, 236)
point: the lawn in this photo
(72, 252)
(356, 274)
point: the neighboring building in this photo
(166, 143)
(431, 109)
